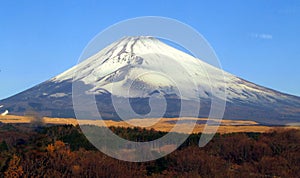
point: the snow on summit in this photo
(145, 64)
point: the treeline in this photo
(63, 151)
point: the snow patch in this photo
(4, 113)
(58, 95)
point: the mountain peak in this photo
(130, 50)
(137, 44)
(135, 38)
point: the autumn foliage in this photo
(63, 151)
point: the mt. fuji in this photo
(138, 68)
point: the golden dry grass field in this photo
(159, 124)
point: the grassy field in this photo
(159, 124)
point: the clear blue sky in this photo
(256, 40)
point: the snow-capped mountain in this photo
(141, 67)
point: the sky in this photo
(256, 40)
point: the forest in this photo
(64, 151)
